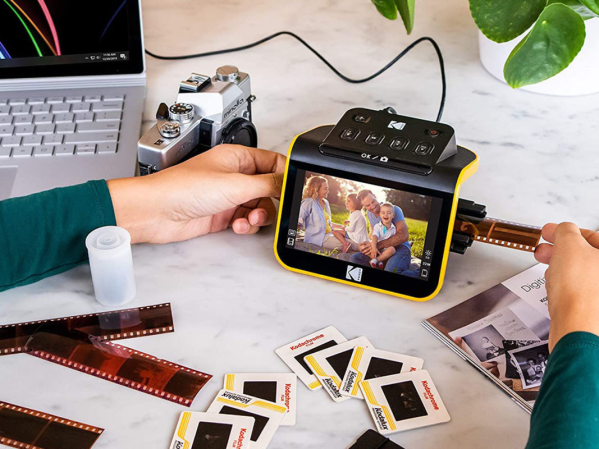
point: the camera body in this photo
(376, 159)
(208, 111)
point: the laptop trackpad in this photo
(7, 180)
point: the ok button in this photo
(374, 138)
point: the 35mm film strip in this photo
(118, 364)
(115, 325)
(502, 233)
(25, 428)
(85, 343)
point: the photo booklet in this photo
(503, 332)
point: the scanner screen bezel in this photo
(335, 269)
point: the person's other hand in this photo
(572, 279)
(365, 248)
(229, 185)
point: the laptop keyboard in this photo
(60, 126)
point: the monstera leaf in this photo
(389, 9)
(504, 20)
(549, 48)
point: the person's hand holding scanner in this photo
(229, 185)
(572, 279)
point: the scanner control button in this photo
(349, 134)
(424, 148)
(361, 118)
(374, 138)
(399, 143)
(433, 133)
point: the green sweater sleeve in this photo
(44, 234)
(566, 413)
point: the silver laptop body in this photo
(83, 122)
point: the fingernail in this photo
(259, 217)
(244, 227)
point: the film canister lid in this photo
(111, 264)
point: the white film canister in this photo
(111, 263)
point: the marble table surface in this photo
(232, 302)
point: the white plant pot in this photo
(581, 77)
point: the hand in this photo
(229, 185)
(572, 281)
(346, 222)
(366, 248)
(374, 251)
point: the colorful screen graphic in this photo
(40, 32)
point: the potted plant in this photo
(529, 43)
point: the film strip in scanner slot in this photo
(84, 343)
(30, 429)
(472, 224)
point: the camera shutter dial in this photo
(227, 73)
(181, 112)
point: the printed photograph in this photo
(486, 343)
(511, 367)
(532, 362)
(349, 220)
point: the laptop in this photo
(72, 86)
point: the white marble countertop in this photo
(232, 302)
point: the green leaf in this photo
(584, 12)
(549, 48)
(504, 20)
(387, 8)
(406, 10)
(593, 5)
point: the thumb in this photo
(259, 186)
(566, 232)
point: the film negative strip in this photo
(115, 325)
(498, 232)
(115, 363)
(30, 429)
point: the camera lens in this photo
(240, 132)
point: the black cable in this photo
(327, 63)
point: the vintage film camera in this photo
(414, 162)
(208, 112)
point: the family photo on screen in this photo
(363, 224)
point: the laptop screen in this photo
(41, 38)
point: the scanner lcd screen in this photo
(337, 217)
